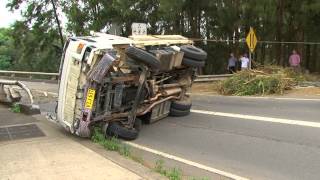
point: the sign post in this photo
(252, 43)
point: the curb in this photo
(26, 109)
(126, 163)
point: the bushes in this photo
(269, 80)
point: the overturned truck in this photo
(118, 82)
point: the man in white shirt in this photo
(244, 62)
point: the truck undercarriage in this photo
(119, 87)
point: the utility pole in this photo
(250, 60)
(58, 22)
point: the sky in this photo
(7, 17)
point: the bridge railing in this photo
(211, 78)
(30, 75)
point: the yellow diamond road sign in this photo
(251, 40)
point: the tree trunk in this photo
(58, 23)
(308, 51)
(279, 50)
(236, 6)
(315, 58)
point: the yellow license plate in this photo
(90, 98)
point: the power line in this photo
(289, 42)
(265, 42)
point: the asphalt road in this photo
(245, 147)
(42, 86)
(252, 149)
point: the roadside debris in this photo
(263, 81)
(12, 97)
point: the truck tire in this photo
(179, 113)
(143, 57)
(117, 130)
(194, 53)
(184, 104)
(192, 63)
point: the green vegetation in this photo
(35, 39)
(113, 144)
(172, 174)
(6, 51)
(203, 178)
(16, 108)
(269, 80)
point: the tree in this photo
(35, 37)
(273, 20)
(6, 49)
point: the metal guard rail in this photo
(54, 76)
(211, 78)
(30, 74)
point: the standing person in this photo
(232, 64)
(295, 60)
(244, 62)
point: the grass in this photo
(15, 108)
(172, 174)
(203, 178)
(113, 144)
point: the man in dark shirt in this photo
(232, 64)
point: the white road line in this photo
(185, 161)
(256, 97)
(260, 118)
(15, 125)
(284, 98)
(45, 92)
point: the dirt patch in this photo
(304, 92)
(212, 89)
(206, 88)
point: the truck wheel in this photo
(192, 63)
(117, 130)
(143, 57)
(194, 53)
(179, 113)
(184, 104)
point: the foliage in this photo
(273, 20)
(16, 108)
(112, 144)
(286, 72)
(4, 62)
(35, 39)
(270, 81)
(172, 174)
(6, 49)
